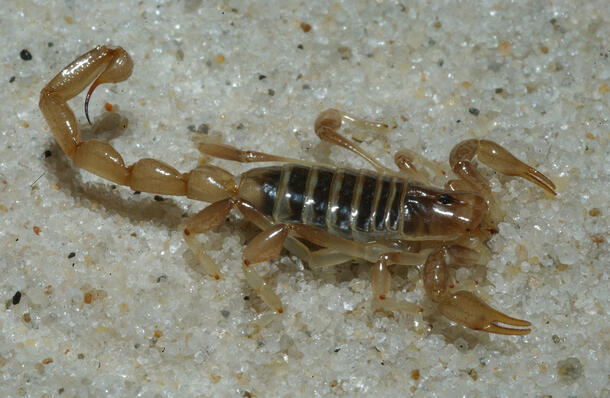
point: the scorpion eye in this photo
(445, 199)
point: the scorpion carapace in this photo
(385, 217)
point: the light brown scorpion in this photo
(382, 217)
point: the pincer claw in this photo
(467, 309)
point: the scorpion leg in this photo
(462, 306)
(319, 258)
(330, 121)
(265, 246)
(228, 152)
(496, 157)
(327, 257)
(406, 160)
(268, 244)
(327, 127)
(207, 219)
(356, 250)
(381, 281)
(211, 217)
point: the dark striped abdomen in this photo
(355, 204)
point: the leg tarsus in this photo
(362, 123)
(209, 218)
(263, 289)
(209, 265)
(381, 281)
(263, 319)
(264, 246)
(405, 160)
(390, 304)
(458, 185)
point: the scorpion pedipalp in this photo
(467, 309)
(496, 157)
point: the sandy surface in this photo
(103, 298)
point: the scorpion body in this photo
(384, 217)
(359, 205)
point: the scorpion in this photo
(322, 214)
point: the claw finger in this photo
(507, 331)
(540, 179)
(499, 317)
(467, 309)
(499, 159)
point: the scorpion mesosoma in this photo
(384, 217)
